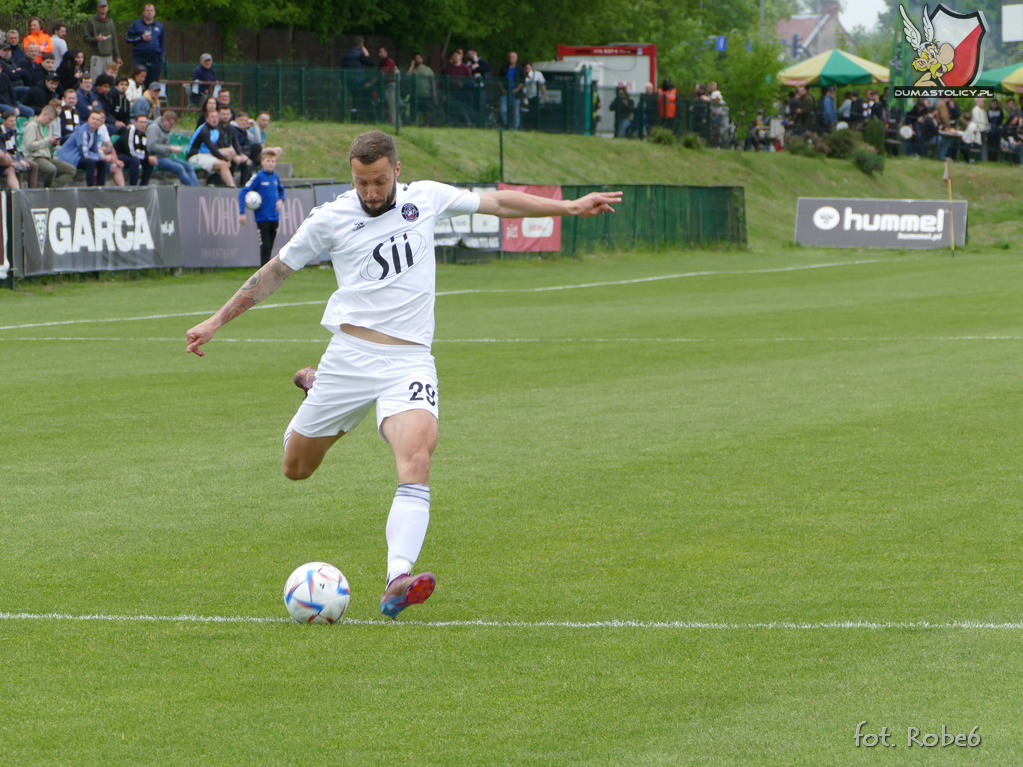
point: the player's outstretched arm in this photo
(507, 203)
(260, 285)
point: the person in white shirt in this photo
(978, 116)
(535, 92)
(380, 239)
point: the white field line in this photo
(610, 624)
(321, 341)
(636, 281)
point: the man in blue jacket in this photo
(84, 150)
(148, 43)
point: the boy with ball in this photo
(267, 184)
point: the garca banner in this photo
(88, 230)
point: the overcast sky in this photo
(861, 13)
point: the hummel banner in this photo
(841, 223)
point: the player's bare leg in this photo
(303, 455)
(413, 438)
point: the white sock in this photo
(406, 528)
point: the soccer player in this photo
(380, 239)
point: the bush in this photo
(661, 135)
(802, 144)
(873, 134)
(691, 141)
(841, 144)
(868, 160)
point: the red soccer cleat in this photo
(406, 590)
(305, 378)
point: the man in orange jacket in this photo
(667, 104)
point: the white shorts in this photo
(354, 374)
(203, 160)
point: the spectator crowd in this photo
(938, 128)
(65, 110)
(102, 111)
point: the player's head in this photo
(375, 169)
(268, 160)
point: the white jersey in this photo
(385, 265)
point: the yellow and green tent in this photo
(1007, 79)
(833, 68)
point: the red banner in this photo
(526, 235)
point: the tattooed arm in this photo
(257, 287)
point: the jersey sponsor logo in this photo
(409, 212)
(394, 256)
(358, 225)
(99, 229)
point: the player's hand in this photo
(280, 206)
(241, 218)
(199, 335)
(595, 203)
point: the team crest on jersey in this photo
(409, 212)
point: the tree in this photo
(748, 72)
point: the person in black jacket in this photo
(21, 81)
(44, 93)
(133, 150)
(356, 62)
(70, 69)
(230, 146)
(8, 101)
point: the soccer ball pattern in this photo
(317, 593)
(253, 199)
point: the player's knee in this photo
(296, 470)
(417, 465)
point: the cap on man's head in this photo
(53, 76)
(101, 3)
(5, 46)
(206, 57)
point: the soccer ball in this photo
(253, 199)
(317, 593)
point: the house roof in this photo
(807, 27)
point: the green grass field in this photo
(691, 509)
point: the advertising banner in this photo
(88, 230)
(167, 196)
(528, 235)
(329, 192)
(299, 202)
(844, 223)
(477, 231)
(210, 232)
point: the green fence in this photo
(651, 217)
(656, 217)
(342, 95)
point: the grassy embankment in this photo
(773, 181)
